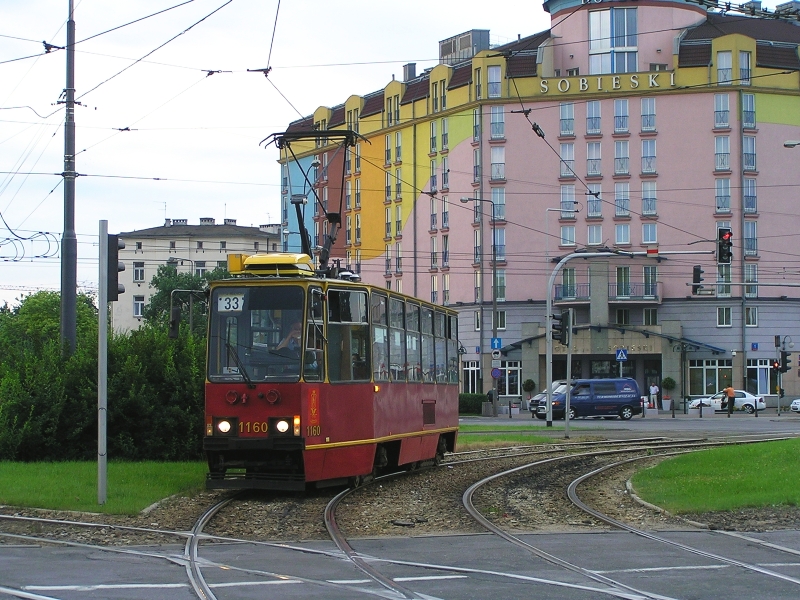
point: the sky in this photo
(170, 128)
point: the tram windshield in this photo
(256, 333)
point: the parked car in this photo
(609, 398)
(743, 401)
(795, 405)
(557, 389)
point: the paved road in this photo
(466, 567)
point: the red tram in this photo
(316, 381)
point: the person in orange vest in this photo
(731, 395)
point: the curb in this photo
(638, 500)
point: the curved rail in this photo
(573, 496)
(193, 572)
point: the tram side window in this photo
(439, 322)
(452, 349)
(428, 357)
(348, 336)
(413, 344)
(380, 337)
(314, 365)
(397, 340)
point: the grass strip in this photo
(726, 478)
(130, 487)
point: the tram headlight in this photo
(282, 426)
(224, 426)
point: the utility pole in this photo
(69, 242)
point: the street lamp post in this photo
(464, 200)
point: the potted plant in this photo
(667, 384)
(529, 386)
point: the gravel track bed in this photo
(425, 502)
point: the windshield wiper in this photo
(240, 364)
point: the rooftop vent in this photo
(180, 221)
(230, 221)
(206, 220)
(167, 222)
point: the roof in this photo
(776, 41)
(521, 65)
(301, 124)
(528, 43)
(373, 104)
(462, 75)
(416, 89)
(337, 116)
(193, 231)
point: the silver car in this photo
(743, 401)
(795, 405)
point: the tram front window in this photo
(256, 333)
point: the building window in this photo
(138, 272)
(476, 125)
(445, 213)
(709, 376)
(593, 159)
(621, 157)
(476, 246)
(568, 202)
(750, 238)
(358, 193)
(593, 117)
(477, 285)
(446, 288)
(388, 149)
(500, 243)
(723, 316)
(622, 234)
(348, 192)
(567, 235)
(477, 320)
(723, 281)
(622, 200)
(595, 236)
(445, 172)
(751, 276)
(200, 268)
(648, 114)
(568, 287)
(567, 118)
(649, 233)
(445, 251)
(445, 134)
(433, 136)
(138, 245)
(434, 183)
(348, 230)
(621, 116)
(623, 282)
(388, 221)
(498, 125)
(724, 68)
(358, 232)
(398, 146)
(744, 68)
(748, 111)
(594, 205)
(501, 320)
(722, 153)
(434, 289)
(138, 306)
(510, 378)
(749, 153)
(476, 165)
(199, 245)
(650, 316)
(648, 157)
(751, 316)
(472, 377)
(649, 198)
(721, 111)
(499, 203)
(435, 96)
(750, 196)
(398, 184)
(623, 316)
(613, 52)
(498, 163)
(567, 160)
(444, 94)
(494, 81)
(172, 245)
(388, 185)
(650, 278)
(434, 254)
(501, 285)
(758, 376)
(398, 259)
(723, 195)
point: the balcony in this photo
(621, 166)
(750, 204)
(498, 130)
(580, 292)
(567, 169)
(722, 161)
(621, 124)
(593, 167)
(433, 221)
(723, 204)
(477, 255)
(398, 267)
(498, 171)
(649, 206)
(592, 125)
(648, 165)
(476, 174)
(750, 246)
(721, 119)
(567, 127)
(634, 292)
(749, 160)
(648, 122)
(445, 220)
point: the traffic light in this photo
(776, 365)
(561, 327)
(174, 322)
(115, 266)
(724, 246)
(785, 362)
(696, 279)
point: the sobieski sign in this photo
(605, 83)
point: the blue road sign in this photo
(496, 373)
(622, 355)
(497, 343)
(477, 349)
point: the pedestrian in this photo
(731, 395)
(653, 395)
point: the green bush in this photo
(470, 404)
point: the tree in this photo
(167, 279)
